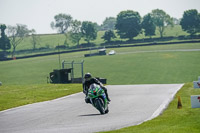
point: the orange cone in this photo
(179, 103)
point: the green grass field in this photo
(18, 95)
(127, 68)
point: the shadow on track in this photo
(89, 115)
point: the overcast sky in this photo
(38, 14)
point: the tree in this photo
(148, 25)
(67, 36)
(62, 23)
(191, 21)
(75, 32)
(17, 34)
(35, 39)
(89, 31)
(128, 24)
(161, 20)
(108, 23)
(176, 21)
(4, 41)
(108, 35)
(97, 27)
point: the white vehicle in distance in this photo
(112, 52)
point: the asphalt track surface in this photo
(130, 105)
(160, 51)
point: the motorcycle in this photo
(98, 98)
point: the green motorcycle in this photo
(98, 98)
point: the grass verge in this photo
(18, 95)
(173, 120)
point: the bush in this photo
(61, 47)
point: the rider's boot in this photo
(105, 90)
(107, 97)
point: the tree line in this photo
(128, 24)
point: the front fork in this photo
(104, 100)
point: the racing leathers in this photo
(86, 86)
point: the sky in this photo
(38, 14)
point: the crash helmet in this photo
(87, 76)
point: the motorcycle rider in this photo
(88, 80)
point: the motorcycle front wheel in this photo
(100, 105)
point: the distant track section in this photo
(160, 51)
(114, 46)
